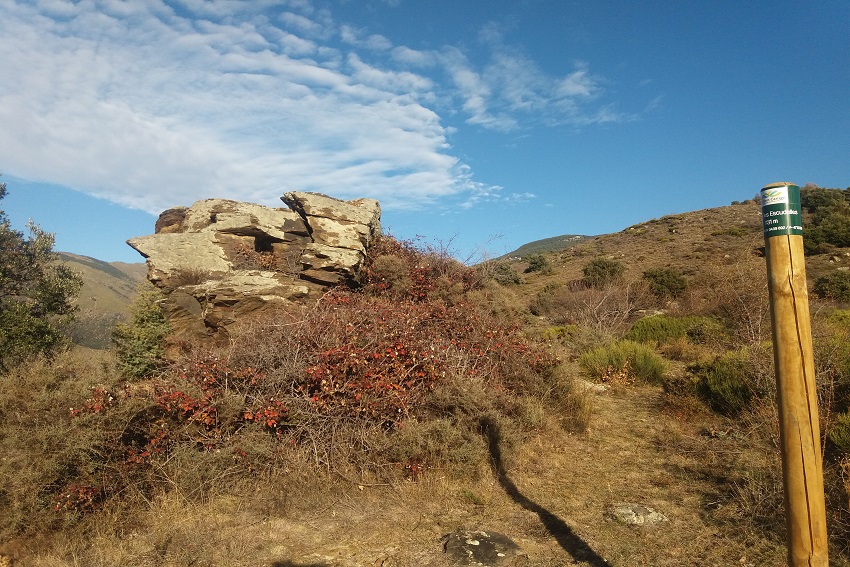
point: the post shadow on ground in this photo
(558, 528)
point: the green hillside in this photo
(108, 289)
(551, 244)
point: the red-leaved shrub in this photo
(369, 357)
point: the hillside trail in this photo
(551, 497)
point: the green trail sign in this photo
(780, 210)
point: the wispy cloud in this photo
(152, 104)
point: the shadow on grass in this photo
(293, 564)
(558, 528)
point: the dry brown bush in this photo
(738, 294)
(606, 310)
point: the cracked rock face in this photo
(220, 260)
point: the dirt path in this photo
(630, 455)
(558, 488)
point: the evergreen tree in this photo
(36, 293)
(139, 343)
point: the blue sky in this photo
(481, 125)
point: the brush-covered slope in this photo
(552, 244)
(108, 289)
(693, 243)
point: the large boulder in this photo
(220, 260)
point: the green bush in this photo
(659, 329)
(504, 273)
(665, 282)
(834, 286)
(139, 344)
(560, 333)
(537, 263)
(839, 432)
(626, 359)
(840, 318)
(602, 272)
(708, 331)
(829, 222)
(727, 384)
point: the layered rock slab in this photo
(220, 260)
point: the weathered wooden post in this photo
(799, 429)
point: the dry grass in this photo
(342, 524)
(700, 473)
(342, 492)
(715, 478)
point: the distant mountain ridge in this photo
(108, 289)
(551, 244)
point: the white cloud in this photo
(152, 106)
(654, 104)
(164, 112)
(578, 83)
(359, 38)
(303, 24)
(476, 92)
(406, 56)
(394, 81)
(491, 33)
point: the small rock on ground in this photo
(635, 514)
(484, 548)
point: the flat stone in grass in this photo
(634, 514)
(483, 548)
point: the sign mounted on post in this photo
(780, 210)
(796, 389)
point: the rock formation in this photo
(220, 260)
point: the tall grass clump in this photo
(624, 360)
(839, 433)
(659, 329)
(736, 380)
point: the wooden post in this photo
(799, 428)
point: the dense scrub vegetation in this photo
(834, 286)
(602, 272)
(827, 224)
(377, 384)
(665, 282)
